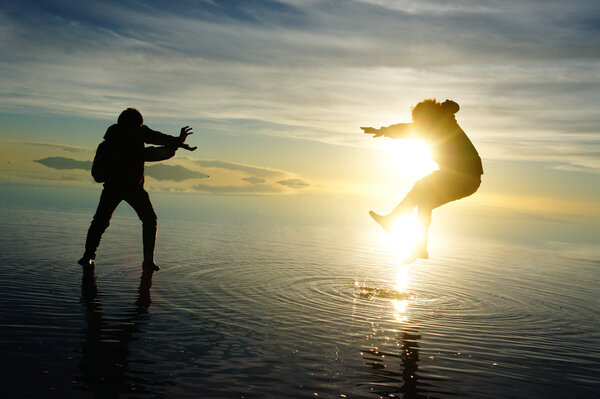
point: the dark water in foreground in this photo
(289, 311)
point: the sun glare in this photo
(405, 234)
(401, 287)
(411, 158)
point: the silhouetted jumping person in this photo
(119, 164)
(460, 167)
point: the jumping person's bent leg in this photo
(140, 202)
(109, 200)
(441, 189)
(418, 194)
(446, 187)
(420, 249)
(423, 195)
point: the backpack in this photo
(100, 166)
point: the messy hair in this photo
(431, 110)
(130, 117)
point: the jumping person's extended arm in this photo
(399, 131)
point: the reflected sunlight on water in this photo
(401, 286)
(260, 311)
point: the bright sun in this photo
(411, 158)
(405, 234)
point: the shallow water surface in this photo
(289, 311)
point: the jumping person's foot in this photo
(382, 220)
(414, 255)
(150, 266)
(86, 261)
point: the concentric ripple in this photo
(285, 311)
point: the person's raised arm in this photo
(399, 131)
(155, 137)
(155, 154)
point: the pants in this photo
(110, 198)
(441, 187)
(434, 190)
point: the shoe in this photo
(86, 261)
(150, 266)
(382, 220)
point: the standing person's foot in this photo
(383, 221)
(150, 266)
(86, 261)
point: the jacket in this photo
(126, 153)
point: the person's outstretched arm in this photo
(155, 137)
(399, 131)
(155, 154)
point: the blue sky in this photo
(285, 84)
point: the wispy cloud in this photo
(63, 163)
(254, 180)
(176, 173)
(249, 169)
(173, 172)
(229, 177)
(316, 69)
(61, 147)
(237, 189)
(294, 183)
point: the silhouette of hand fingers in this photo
(185, 131)
(371, 130)
(187, 147)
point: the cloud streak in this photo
(300, 70)
(294, 183)
(227, 178)
(249, 169)
(176, 173)
(62, 163)
(54, 146)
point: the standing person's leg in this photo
(139, 200)
(109, 200)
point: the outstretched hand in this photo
(183, 134)
(373, 131)
(185, 131)
(187, 147)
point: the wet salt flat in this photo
(245, 311)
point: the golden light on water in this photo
(405, 234)
(401, 302)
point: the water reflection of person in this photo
(460, 167)
(105, 350)
(409, 365)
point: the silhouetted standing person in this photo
(460, 167)
(119, 164)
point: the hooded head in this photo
(130, 118)
(430, 114)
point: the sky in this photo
(276, 92)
